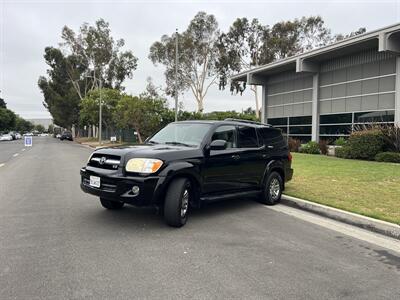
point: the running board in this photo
(230, 196)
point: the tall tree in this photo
(95, 56)
(79, 65)
(242, 48)
(197, 57)
(249, 44)
(60, 97)
(22, 125)
(7, 119)
(89, 105)
(3, 104)
(339, 37)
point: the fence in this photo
(124, 135)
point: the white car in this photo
(18, 136)
(58, 135)
(6, 137)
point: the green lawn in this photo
(364, 187)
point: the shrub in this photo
(388, 157)
(294, 145)
(343, 152)
(340, 141)
(323, 147)
(391, 136)
(310, 148)
(365, 144)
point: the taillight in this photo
(290, 157)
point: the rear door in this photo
(251, 158)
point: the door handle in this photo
(235, 156)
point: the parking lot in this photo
(58, 243)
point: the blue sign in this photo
(28, 141)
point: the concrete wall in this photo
(289, 94)
(361, 82)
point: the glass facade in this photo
(295, 127)
(332, 126)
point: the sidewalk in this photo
(375, 225)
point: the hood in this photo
(160, 151)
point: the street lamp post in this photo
(176, 75)
(100, 113)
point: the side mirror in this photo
(218, 145)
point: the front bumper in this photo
(115, 186)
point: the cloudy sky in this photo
(27, 27)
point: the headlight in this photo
(143, 165)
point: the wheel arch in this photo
(274, 166)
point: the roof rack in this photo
(247, 121)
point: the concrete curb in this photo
(382, 227)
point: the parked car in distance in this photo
(28, 134)
(189, 163)
(58, 135)
(66, 135)
(6, 137)
(18, 136)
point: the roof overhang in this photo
(384, 39)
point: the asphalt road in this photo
(58, 243)
(10, 149)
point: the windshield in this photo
(187, 134)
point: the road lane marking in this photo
(1, 165)
(16, 154)
(355, 232)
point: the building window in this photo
(374, 117)
(335, 125)
(278, 121)
(294, 127)
(335, 119)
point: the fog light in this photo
(135, 190)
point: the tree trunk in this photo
(254, 89)
(200, 104)
(139, 136)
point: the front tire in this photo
(176, 204)
(111, 204)
(272, 190)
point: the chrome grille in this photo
(104, 161)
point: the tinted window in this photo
(270, 136)
(374, 116)
(226, 133)
(247, 137)
(277, 121)
(335, 118)
(300, 120)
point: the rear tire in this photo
(272, 190)
(176, 204)
(111, 204)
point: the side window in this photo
(226, 133)
(247, 137)
(270, 136)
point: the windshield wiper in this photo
(178, 144)
(152, 142)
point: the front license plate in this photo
(95, 181)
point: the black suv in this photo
(66, 135)
(191, 162)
